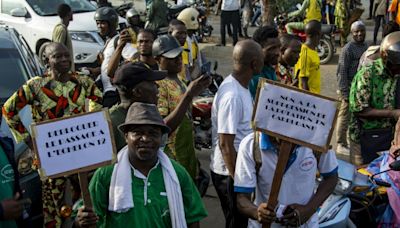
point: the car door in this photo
(21, 24)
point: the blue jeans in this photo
(256, 15)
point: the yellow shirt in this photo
(133, 35)
(308, 66)
(185, 53)
(184, 75)
(395, 6)
(313, 11)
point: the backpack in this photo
(100, 56)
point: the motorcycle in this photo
(326, 47)
(358, 199)
(205, 28)
(201, 112)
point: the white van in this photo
(35, 20)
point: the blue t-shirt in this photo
(267, 72)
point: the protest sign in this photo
(73, 144)
(295, 115)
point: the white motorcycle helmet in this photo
(189, 17)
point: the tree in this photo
(270, 12)
(275, 7)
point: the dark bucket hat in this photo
(143, 114)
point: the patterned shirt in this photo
(180, 145)
(348, 63)
(50, 99)
(284, 75)
(372, 87)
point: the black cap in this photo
(167, 46)
(131, 74)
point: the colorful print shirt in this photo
(285, 75)
(372, 87)
(50, 99)
(180, 145)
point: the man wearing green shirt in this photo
(372, 98)
(156, 191)
(135, 83)
(10, 207)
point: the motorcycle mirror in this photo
(215, 66)
(383, 183)
(395, 166)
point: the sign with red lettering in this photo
(295, 115)
(73, 144)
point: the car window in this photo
(8, 5)
(30, 57)
(12, 67)
(49, 7)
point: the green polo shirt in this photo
(149, 197)
(6, 185)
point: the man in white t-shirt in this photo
(230, 16)
(231, 116)
(296, 196)
(116, 46)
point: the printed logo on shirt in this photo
(307, 164)
(7, 173)
(165, 213)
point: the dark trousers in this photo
(229, 18)
(224, 187)
(371, 8)
(110, 98)
(378, 20)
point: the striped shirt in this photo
(348, 63)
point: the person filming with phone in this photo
(173, 93)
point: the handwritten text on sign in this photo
(73, 143)
(295, 114)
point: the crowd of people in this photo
(148, 82)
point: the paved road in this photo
(223, 56)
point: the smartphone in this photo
(206, 68)
(122, 26)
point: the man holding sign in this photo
(58, 93)
(297, 202)
(282, 171)
(145, 188)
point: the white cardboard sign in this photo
(297, 116)
(73, 144)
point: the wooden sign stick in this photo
(283, 157)
(84, 184)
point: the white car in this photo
(35, 20)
